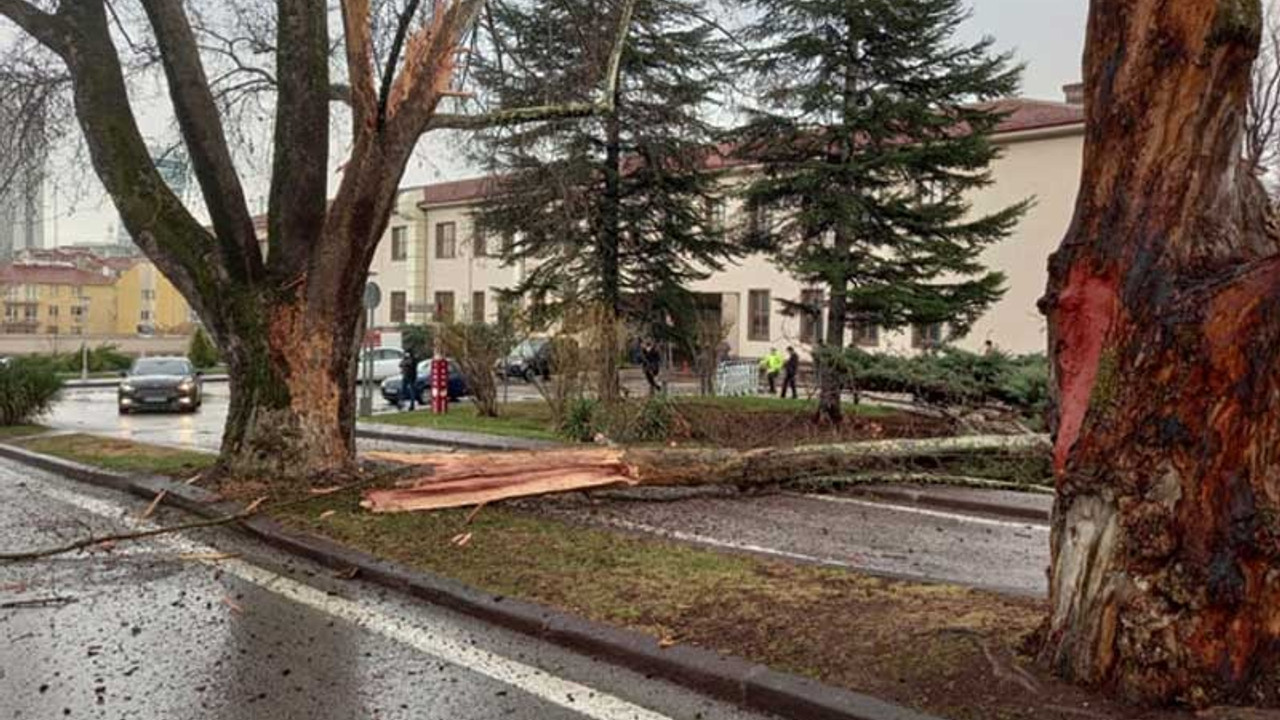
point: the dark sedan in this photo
(161, 383)
(457, 384)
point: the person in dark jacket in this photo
(652, 363)
(790, 370)
(409, 380)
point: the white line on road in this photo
(727, 545)
(572, 696)
(973, 519)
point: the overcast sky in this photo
(1048, 35)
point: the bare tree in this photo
(288, 323)
(1262, 119)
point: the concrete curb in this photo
(452, 438)
(921, 496)
(727, 678)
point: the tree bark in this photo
(1164, 320)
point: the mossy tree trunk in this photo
(1164, 316)
(287, 322)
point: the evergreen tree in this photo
(615, 210)
(873, 128)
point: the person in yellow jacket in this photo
(772, 365)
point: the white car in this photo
(386, 363)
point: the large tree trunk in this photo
(292, 408)
(1164, 317)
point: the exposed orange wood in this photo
(478, 491)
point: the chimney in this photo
(1074, 93)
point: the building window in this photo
(811, 316)
(399, 244)
(446, 241)
(761, 221)
(477, 307)
(444, 307)
(148, 294)
(77, 311)
(716, 214)
(146, 315)
(479, 242)
(866, 335)
(53, 311)
(397, 307)
(33, 292)
(31, 313)
(926, 336)
(758, 314)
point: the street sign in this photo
(372, 296)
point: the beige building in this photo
(443, 269)
(56, 300)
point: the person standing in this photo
(652, 362)
(791, 369)
(772, 364)
(409, 380)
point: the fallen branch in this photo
(37, 602)
(452, 480)
(930, 479)
(257, 507)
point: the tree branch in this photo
(538, 113)
(46, 28)
(201, 127)
(357, 33)
(393, 59)
(299, 179)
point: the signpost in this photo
(372, 299)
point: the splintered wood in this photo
(465, 480)
(459, 480)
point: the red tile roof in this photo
(50, 275)
(1024, 115)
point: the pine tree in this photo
(615, 210)
(873, 128)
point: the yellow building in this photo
(57, 300)
(145, 299)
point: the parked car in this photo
(161, 383)
(530, 359)
(4, 362)
(457, 384)
(386, 363)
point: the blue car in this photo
(457, 384)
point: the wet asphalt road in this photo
(163, 628)
(93, 411)
(905, 541)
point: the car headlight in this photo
(186, 386)
(126, 387)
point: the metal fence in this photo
(735, 378)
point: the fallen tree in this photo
(457, 480)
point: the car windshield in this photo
(161, 367)
(528, 348)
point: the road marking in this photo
(973, 519)
(567, 694)
(728, 545)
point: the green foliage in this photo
(579, 423)
(27, 388)
(866, 175)
(951, 377)
(418, 339)
(612, 209)
(202, 352)
(105, 358)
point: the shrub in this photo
(202, 353)
(477, 348)
(27, 388)
(418, 339)
(579, 422)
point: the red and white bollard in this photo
(439, 386)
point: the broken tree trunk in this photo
(1164, 318)
(458, 480)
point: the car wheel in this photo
(528, 375)
(123, 410)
